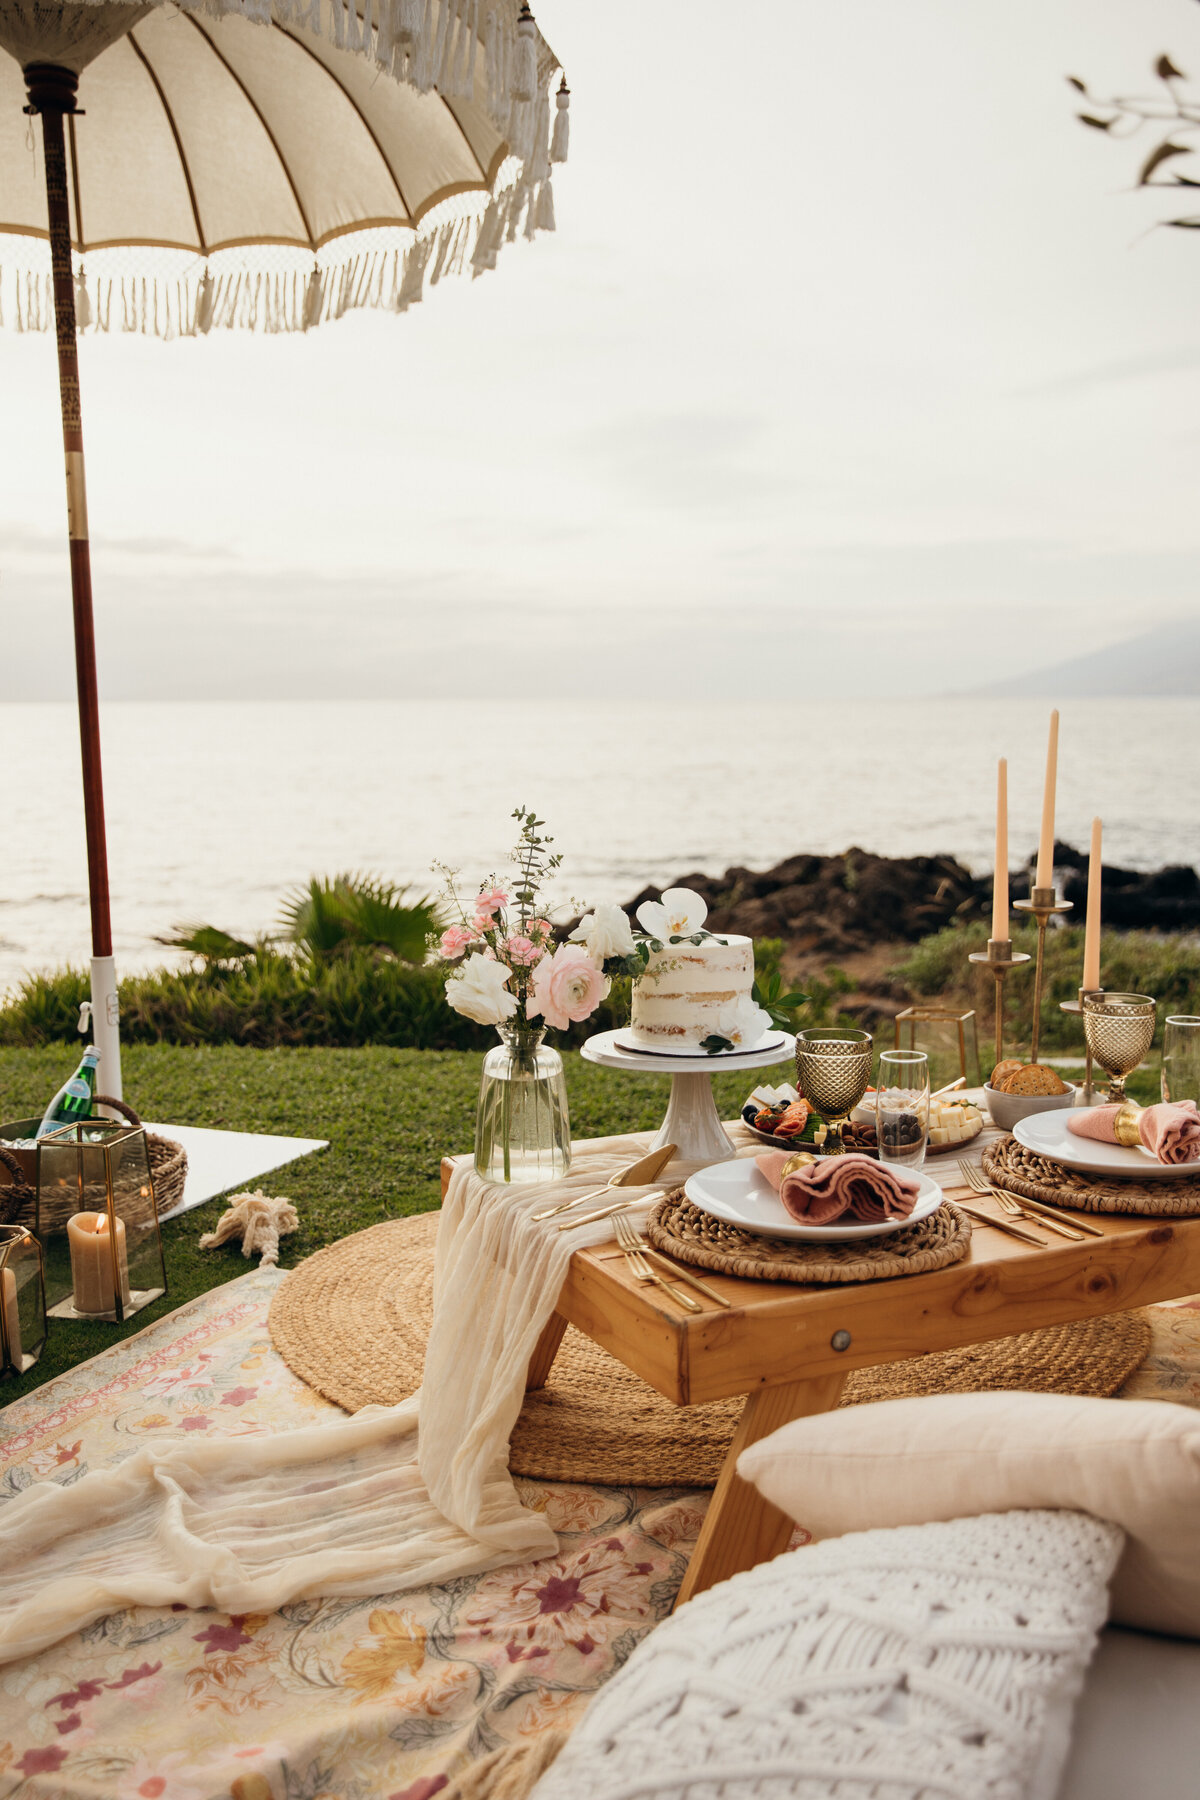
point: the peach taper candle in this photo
(1000, 878)
(1091, 936)
(1045, 860)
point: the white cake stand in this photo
(692, 1121)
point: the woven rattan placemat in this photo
(1010, 1165)
(352, 1322)
(696, 1237)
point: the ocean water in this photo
(215, 810)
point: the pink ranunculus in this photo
(491, 900)
(456, 939)
(521, 950)
(566, 986)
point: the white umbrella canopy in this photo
(216, 163)
(260, 163)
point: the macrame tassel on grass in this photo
(562, 123)
(260, 1220)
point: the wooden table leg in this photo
(741, 1528)
(545, 1350)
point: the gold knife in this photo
(1051, 1216)
(606, 1212)
(1000, 1225)
(681, 1274)
(643, 1173)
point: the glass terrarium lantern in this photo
(98, 1222)
(948, 1037)
(22, 1300)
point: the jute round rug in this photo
(352, 1322)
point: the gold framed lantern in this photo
(98, 1222)
(948, 1036)
(22, 1300)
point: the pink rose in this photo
(566, 986)
(491, 900)
(520, 950)
(455, 940)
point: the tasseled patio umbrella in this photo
(268, 164)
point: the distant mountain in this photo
(1164, 661)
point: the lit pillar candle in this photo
(1000, 878)
(91, 1263)
(1045, 861)
(1091, 936)
(12, 1318)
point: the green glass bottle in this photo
(74, 1098)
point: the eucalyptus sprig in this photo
(534, 863)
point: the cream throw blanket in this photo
(395, 1497)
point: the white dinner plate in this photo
(770, 1040)
(740, 1194)
(1046, 1133)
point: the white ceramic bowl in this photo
(1006, 1109)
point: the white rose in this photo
(743, 1022)
(680, 912)
(480, 992)
(605, 933)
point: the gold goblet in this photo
(833, 1072)
(1118, 1029)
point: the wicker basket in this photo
(168, 1163)
(18, 1198)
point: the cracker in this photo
(1034, 1080)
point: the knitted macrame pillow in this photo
(937, 1659)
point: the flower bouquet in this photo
(507, 971)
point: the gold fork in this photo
(1017, 1209)
(631, 1245)
(629, 1238)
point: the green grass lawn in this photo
(389, 1115)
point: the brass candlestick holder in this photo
(1076, 1008)
(1043, 903)
(1000, 958)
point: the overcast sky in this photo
(852, 352)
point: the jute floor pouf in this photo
(1011, 1165)
(352, 1321)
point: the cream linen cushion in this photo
(949, 1456)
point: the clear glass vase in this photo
(522, 1126)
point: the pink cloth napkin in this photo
(1169, 1132)
(835, 1186)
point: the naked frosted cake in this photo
(687, 990)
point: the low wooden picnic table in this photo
(789, 1347)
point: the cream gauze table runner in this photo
(395, 1497)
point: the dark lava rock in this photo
(836, 905)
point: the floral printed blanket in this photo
(376, 1699)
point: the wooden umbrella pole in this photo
(52, 93)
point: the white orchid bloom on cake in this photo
(679, 913)
(480, 992)
(743, 1022)
(605, 933)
